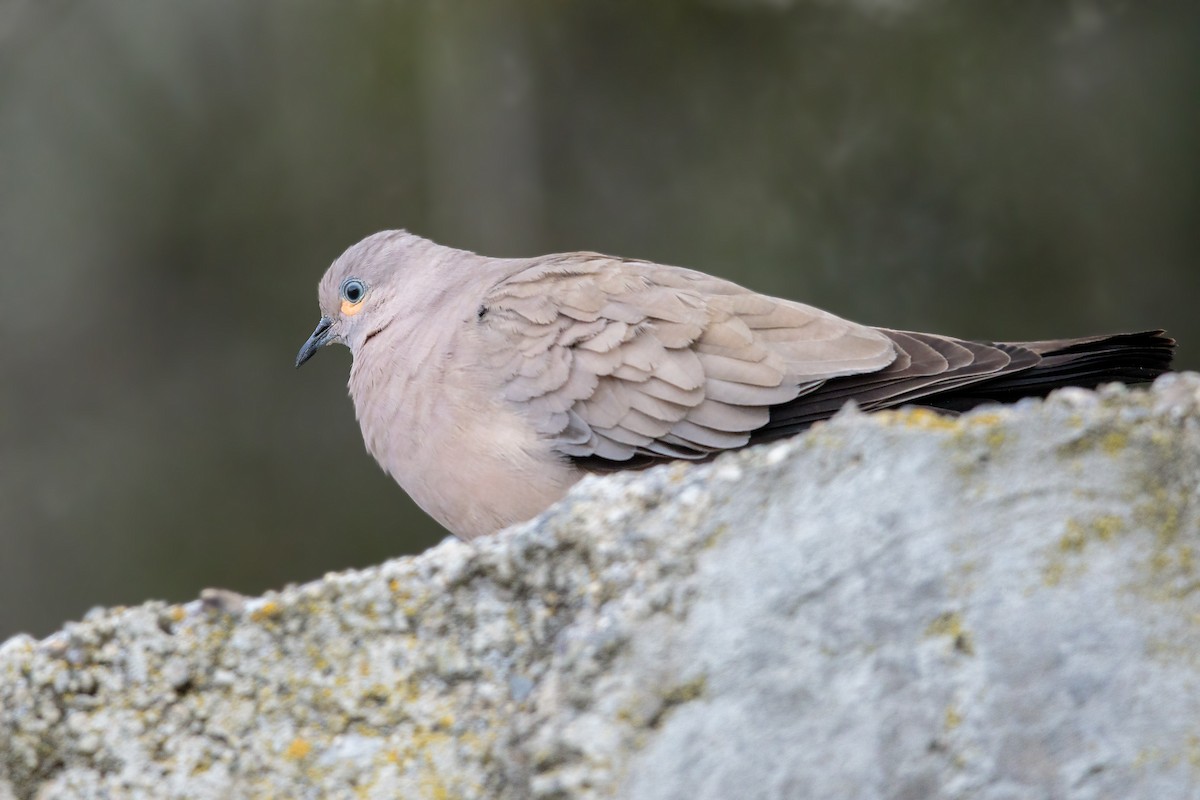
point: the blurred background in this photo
(175, 177)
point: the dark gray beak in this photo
(320, 337)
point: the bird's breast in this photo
(461, 452)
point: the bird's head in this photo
(358, 290)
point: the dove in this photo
(487, 387)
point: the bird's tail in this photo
(1086, 362)
(953, 375)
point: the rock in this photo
(901, 605)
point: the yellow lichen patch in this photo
(266, 611)
(977, 438)
(627, 715)
(984, 419)
(1113, 443)
(474, 741)
(1073, 543)
(410, 689)
(1103, 528)
(1107, 526)
(298, 749)
(950, 624)
(685, 692)
(922, 418)
(673, 696)
(1171, 567)
(377, 693)
(433, 788)
(1053, 573)
(1163, 515)
(1188, 753)
(317, 657)
(424, 747)
(176, 613)
(1089, 440)
(1179, 648)
(714, 536)
(1187, 558)
(1162, 439)
(425, 738)
(1073, 539)
(989, 423)
(953, 718)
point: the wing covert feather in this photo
(613, 359)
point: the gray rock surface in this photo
(897, 606)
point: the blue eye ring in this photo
(353, 290)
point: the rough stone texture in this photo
(894, 606)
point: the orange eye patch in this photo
(350, 309)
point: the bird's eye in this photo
(353, 290)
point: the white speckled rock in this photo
(899, 606)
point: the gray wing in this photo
(614, 359)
